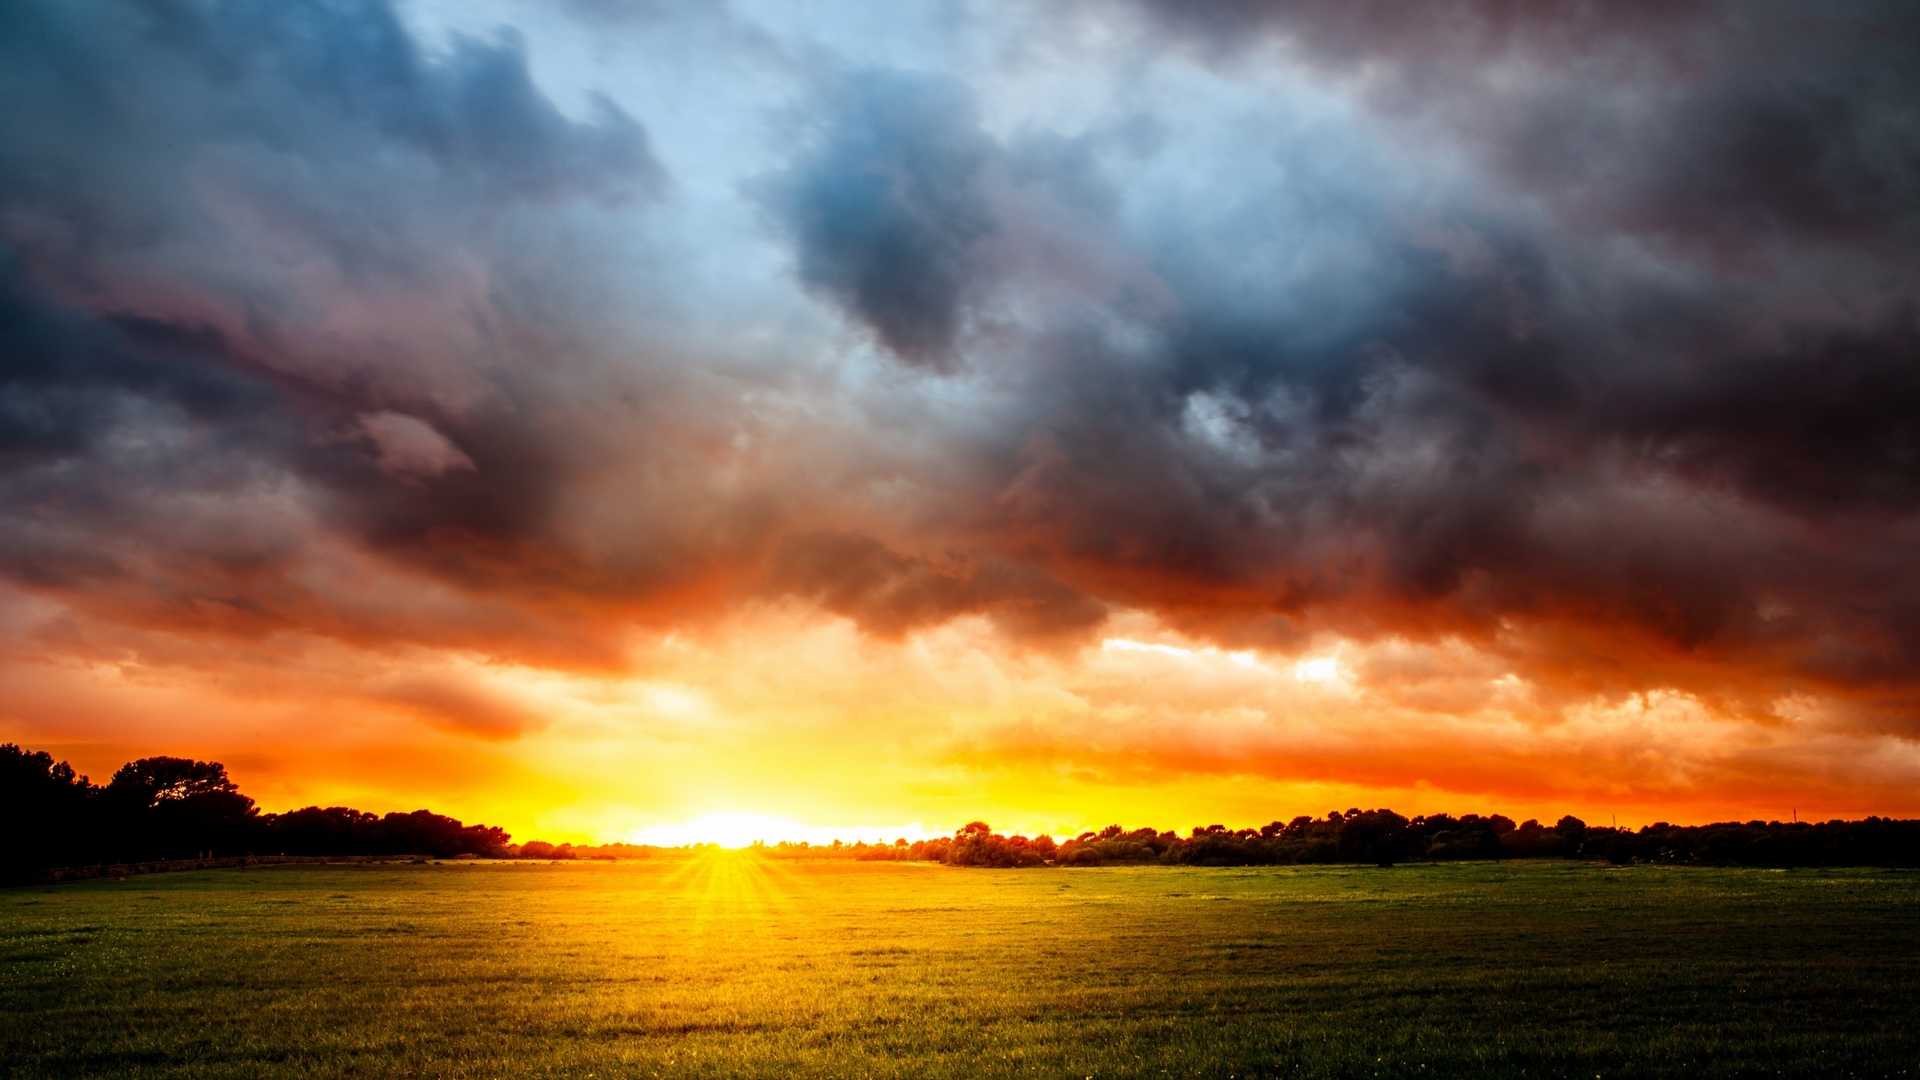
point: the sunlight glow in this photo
(1320, 669)
(1244, 659)
(1123, 644)
(730, 830)
(733, 829)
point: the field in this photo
(730, 965)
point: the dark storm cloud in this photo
(1435, 38)
(1584, 331)
(64, 374)
(1799, 154)
(115, 83)
(280, 277)
(86, 407)
(191, 196)
(1654, 378)
(1727, 128)
(890, 593)
(885, 209)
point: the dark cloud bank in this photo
(1637, 402)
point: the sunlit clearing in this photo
(1323, 669)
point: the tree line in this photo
(1382, 837)
(161, 808)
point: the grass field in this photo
(729, 965)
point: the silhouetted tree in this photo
(48, 810)
(172, 808)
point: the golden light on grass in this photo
(728, 964)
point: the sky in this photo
(657, 419)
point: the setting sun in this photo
(739, 830)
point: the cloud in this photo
(456, 704)
(1721, 128)
(885, 210)
(890, 593)
(410, 447)
(1626, 403)
(244, 245)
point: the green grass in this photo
(732, 966)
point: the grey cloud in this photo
(1629, 373)
(885, 209)
(230, 231)
(1724, 128)
(890, 593)
(1714, 306)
